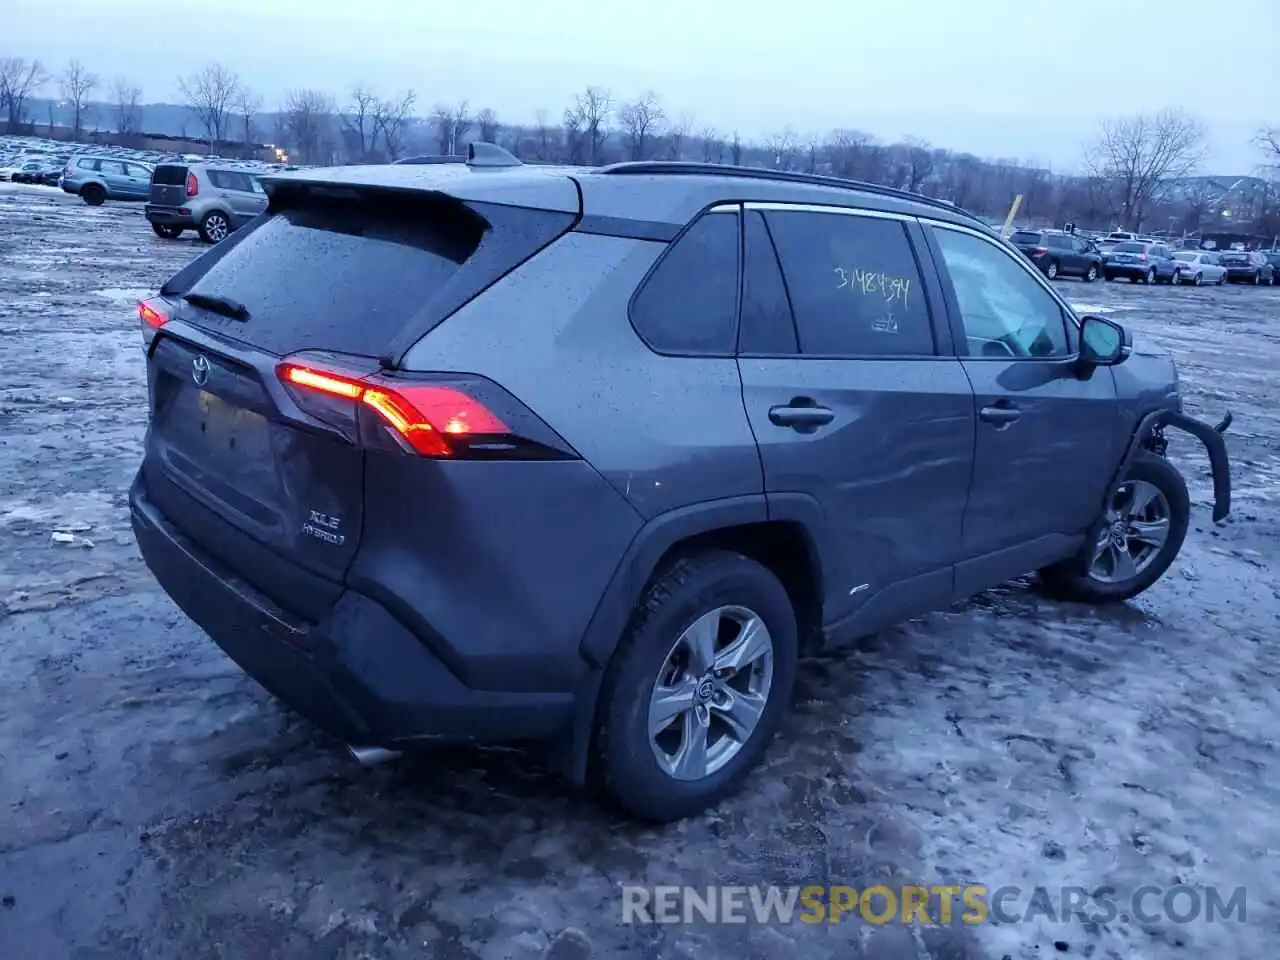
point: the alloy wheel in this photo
(711, 692)
(216, 227)
(1134, 530)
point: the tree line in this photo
(1136, 171)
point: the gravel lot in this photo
(155, 803)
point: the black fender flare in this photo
(1208, 434)
(637, 567)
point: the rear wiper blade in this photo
(223, 305)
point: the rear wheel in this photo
(697, 687)
(214, 227)
(1257, 277)
(1197, 280)
(169, 233)
(1142, 530)
(1051, 271)
(1091, 274)
(93, 195)
(1150, 276)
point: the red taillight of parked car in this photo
(423, 416)
(1039, 251)
(193, 185)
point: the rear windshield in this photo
(1130, 246)
(1025, 236)
(169, 175)
(349, 276)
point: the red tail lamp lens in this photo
(424, 415)
(152, 314)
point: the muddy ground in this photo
(155, 803)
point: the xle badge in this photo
(324, 527)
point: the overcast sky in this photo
(1000, 78)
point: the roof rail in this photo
(763, 173)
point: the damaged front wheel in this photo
(1139, 536)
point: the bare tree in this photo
(358, 120)
(1269, 140)
(545, 136)
(128, 107)
(487, 125)
(308, 118)
(210, 95)
(1140, 154)
(735, 149)
(76, 83)
(247, 106)
(19, 79)
(584, 125)
(452, 124)
(919, 163)
(782, 149)
(391, 120)
(640, 121)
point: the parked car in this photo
(1200, 266)
(97, 178)
(212, 199)
(1248, 266)
(1141, 261)
(1273, 260)
(370, 474)
(1120, 236)
(1059, 254)
(11, 166)
(36, 172)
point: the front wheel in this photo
(697, 687)
(1140, 534)
(1091, 274)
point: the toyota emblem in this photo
(200, 370)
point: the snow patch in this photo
(123, 295)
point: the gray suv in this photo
(486, 451)
(96, 179)
(212, 199)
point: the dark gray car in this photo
(492, 452)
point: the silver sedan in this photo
(1199, 266)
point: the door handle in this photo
(999, 414)
(800, 416)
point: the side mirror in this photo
(1103, 343)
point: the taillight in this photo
(430, 419)
(1142, 257)
(1039, 251)
(152, 314)
(193, 185)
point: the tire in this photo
(1257, 278)
(626, 756)
(1091, 274)
(1086, 578)
(169, 233)
(1109, 277)
(1197, 280)
(215, 227)
(1051, 270)
(1150, 277)
(93, 195)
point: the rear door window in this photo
(1059, 242)
(689, 304)
(854, 285)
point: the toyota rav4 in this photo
(486, 451)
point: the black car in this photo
(1059, 254)
(1248, 266)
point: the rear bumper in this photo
(1241, 273)
(358, 673)
(169, 216)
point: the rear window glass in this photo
(1130, 246)
(1025, 236)
(336, 279)
(169, 175)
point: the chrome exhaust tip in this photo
(372, 756)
